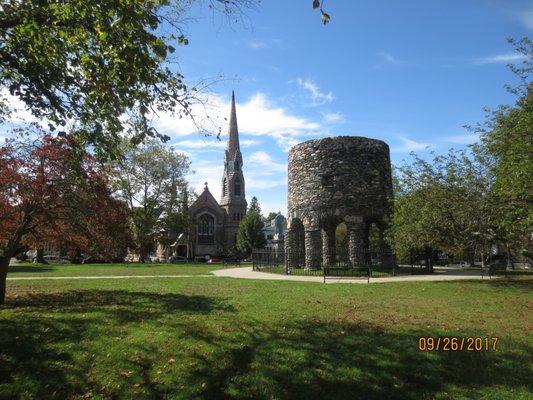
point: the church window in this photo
(237, 187)
(224, 186)
(206, 229)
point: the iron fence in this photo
(337, 264)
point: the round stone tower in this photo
(333, 180)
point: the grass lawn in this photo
(217, 338)
(35, 270)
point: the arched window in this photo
(237, 187)
(224, 186)
(206, 229)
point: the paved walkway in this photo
(441, 274)
(438, 275)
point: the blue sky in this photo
(412, 73)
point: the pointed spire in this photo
(233, 134)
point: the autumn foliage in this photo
(52, 191)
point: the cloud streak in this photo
(500, 59)
(258, 116)
(319, 98)
(409, 145)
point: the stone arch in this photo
(331, 252)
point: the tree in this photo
(150, 178)
(507, 141)
(325, 16)
(97, 61)
(174, 220)
(510, 142)
(100, 230)
(254, 206)
(271, 215)
(445, 204)
(249, 234)
(51, 189)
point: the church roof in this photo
(205, 201)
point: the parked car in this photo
(213, 260)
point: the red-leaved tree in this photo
(52, 191)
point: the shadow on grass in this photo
(513, 281)
(335, 361)
(41, 356)
(123, 305)
(30, 268)
(46, 339)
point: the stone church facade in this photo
(214, 228)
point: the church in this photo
(214, 227)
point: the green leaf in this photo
(325, 17)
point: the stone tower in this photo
(345, 179)
(233, 199)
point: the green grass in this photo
(217, 338)
(34, 270)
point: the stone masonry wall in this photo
(341, 179)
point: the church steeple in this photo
(233, 194)
(233, 133)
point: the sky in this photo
(410, 72)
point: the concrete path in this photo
(59, 278)
(438, 275)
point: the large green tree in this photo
(100, 64)
(445, 204)
(510, 143)
(507, 141)
(254, 206)
(151, 179)
(249, 235)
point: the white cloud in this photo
(199, 144)
(207, 171)
(319, 97)
(500, 59)
(263, 163)
(256, 117)
(20, 114)
(525, 17)
(467, 138)
(253, 182)
(389, 58)
(332, 118)
(409, 145)
(255, 44)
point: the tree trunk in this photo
(4, 265)
(40, 256)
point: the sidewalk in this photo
(438, 275)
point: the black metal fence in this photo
(335, 265)
(498, 270)
(268, 261)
